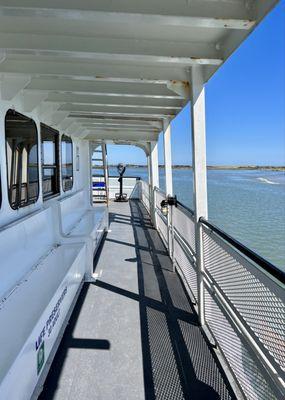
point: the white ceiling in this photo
(116, 69)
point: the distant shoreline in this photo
(219, 167)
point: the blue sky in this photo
(245, 106)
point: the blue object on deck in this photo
(98, 185)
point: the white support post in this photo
(106, 174)
(91, 151)
(154, 181)
(148, 170)
(149, 179)
(199, 174)
(167, 157)
(168, 180)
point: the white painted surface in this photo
(33, 275)
(199, 173)
(138, 75)
(154, 181)
(139, 54)
(22, 244)
(81, 177)
(130, 187)
(167, 157)
(27, 313)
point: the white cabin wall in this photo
(81, 177)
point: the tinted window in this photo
(66, 162)
(50, 161)
(22, 159)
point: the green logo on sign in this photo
(41, 357)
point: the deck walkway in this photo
(134, 333)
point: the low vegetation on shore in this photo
(218, 167)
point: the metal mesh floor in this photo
(134, 333)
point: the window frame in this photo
(55, 166)
(18, 204)
(72, 161)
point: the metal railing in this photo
(243, 294)
(145, 195)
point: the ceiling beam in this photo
(120, 128)
(91, 79)
(258, 10)
(120, 135)
(78, 16)
(118, 125)
(30, 65)
(96, 110)
(163, 12)
(119, 120)
(162, 52)
(114, 101)
(86, 105)
(82, 114)
(113, 89)
(120, 88)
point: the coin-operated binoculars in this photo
(121, 168)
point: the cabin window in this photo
(66, 162)
(22, 159)
(50, 161)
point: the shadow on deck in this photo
(177, 360)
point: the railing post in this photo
(106, 173)
(199, 174)
(171, 237)
(168, 176)
(154, 181)
(167, 157)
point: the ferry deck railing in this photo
(243, 296)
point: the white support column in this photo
(154, 181)
(167, 157)
(148, 170)
(154, 164)
(105, 166)
(149, 177)
(199, 173)
(168, 181)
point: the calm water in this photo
(249, 205)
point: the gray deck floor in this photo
(134, 333)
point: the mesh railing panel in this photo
(184, 224)
(161, 220)
(254, 296)
(145, 197)
(244, 306)
(186, 266)
(184, 228)
(242, 363)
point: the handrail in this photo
(241, 320)
(186, 208)
(157, 189)
(257, 259)
(264, 264)
(138, 178)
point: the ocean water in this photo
(248, 205)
